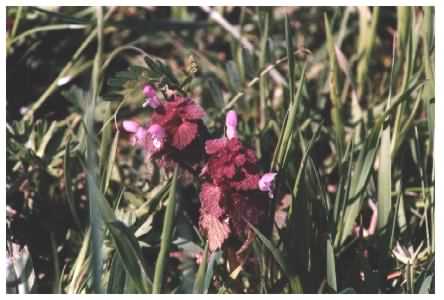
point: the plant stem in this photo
(167, 231)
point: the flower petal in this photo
(130, 126)
(231, 119)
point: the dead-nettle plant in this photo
(233, 190)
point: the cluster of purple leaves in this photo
(233, 192)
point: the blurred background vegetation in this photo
(339, 100)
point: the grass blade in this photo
(116, 280)
(336, 110)
(95, 215)
(167, 230)
(274, 251)
(130, 255)
(199, 282)
(331, 266)
(210, 269)
(68, 185)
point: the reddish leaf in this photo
(214, 146)
(192, 111)
(184, 135)
(210, 198)
(250, 182)
(217, 231)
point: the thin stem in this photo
(167, 231)
(262, 73)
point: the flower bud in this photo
(266, 183)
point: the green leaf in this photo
(117, 278)
(130, 255)
(331, 266)
(283, 147)
(277, 255)
(384, 202)
(214, 257)
(233, 76)
(199, 282)
(360, 176)
(426, 285)
(109, 157)
(68, 185)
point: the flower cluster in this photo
(233, 190)
(174, 126)
(232, 193)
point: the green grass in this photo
(339, 101)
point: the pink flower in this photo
(266, 183)
(231, 193)
(151, 97)
(157, 137)
(231, 123)
(151, 139)
(138, 131)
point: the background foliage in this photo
(339, 100)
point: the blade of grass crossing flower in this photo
(167, 230)
(199, 282)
